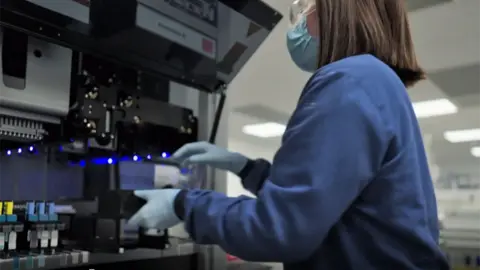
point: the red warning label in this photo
(208, 46)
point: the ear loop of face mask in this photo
(302, 16)
(307, 15)
(297, 10)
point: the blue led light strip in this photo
(97, 161)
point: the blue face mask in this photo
(303, 47)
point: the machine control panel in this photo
(205, 10)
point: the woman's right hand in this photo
(204, 153)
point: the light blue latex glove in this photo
(204, 153)
(158, 212)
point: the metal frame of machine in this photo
(97, 82)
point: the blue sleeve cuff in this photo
(187, 201)
(254, 174)
(179, 204)
(247, 169)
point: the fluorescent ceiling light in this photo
(432, 108)
(264, 130)
(459, 136)
(475, 151)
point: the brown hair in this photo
(377, 27)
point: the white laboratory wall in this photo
(234, 186)
(458, 189)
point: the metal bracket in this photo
(218, 113)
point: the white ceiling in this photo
(446, 36)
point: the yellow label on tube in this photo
(1, 208)
(9, 208)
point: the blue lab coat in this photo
(349, 187)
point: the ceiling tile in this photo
(414, 5)
(425, 90)
(460, 84)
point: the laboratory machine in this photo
(94, 96)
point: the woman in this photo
(349, 187)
